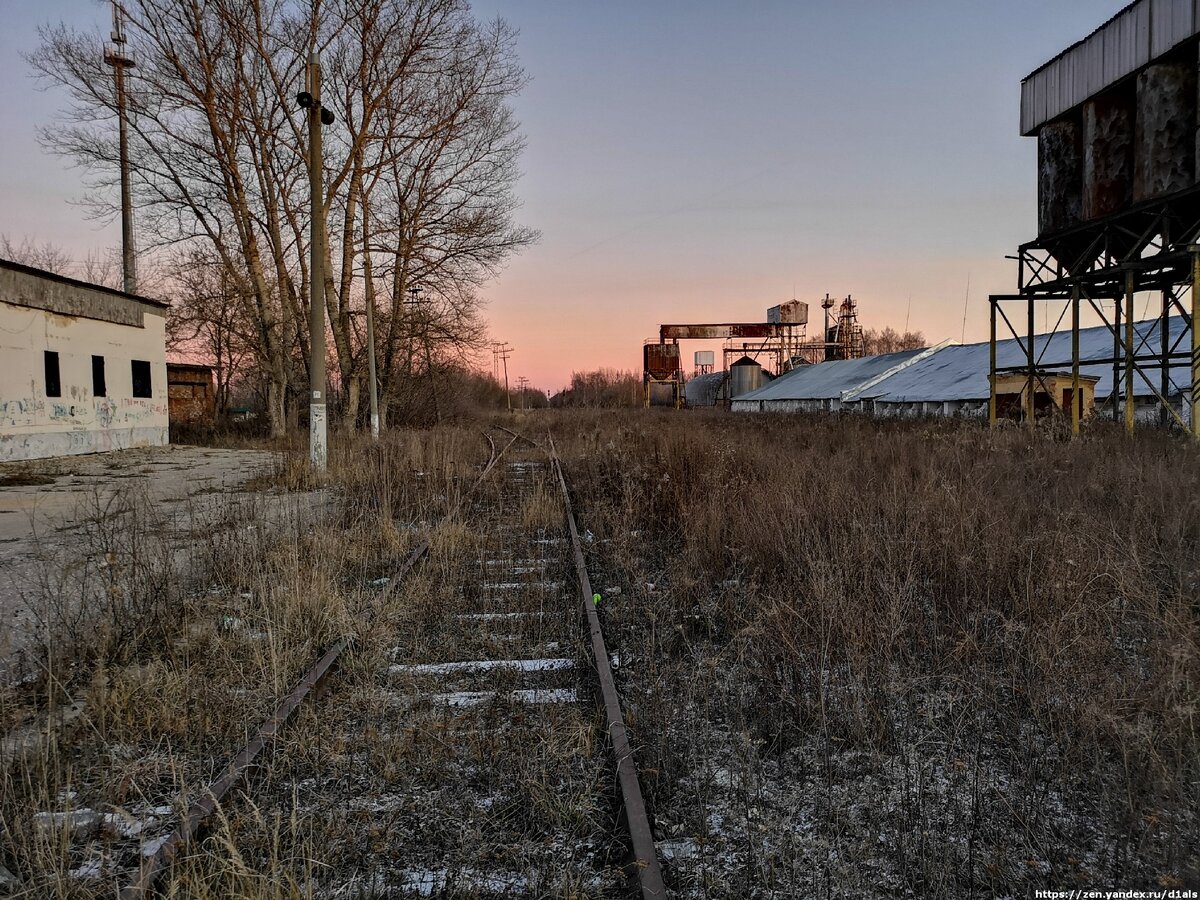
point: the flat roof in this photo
(75, 282)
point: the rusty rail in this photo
(649, 873)
(153, 867)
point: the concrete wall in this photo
(34, 425)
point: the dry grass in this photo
(860, 658)
(967, 661)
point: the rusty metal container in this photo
(660, 361)
(1060, 176)
(1108, 153)
(1165, 140)
(794, 312)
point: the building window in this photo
(141, 378)
(99, 388)
(53, 382)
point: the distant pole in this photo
(117, 58)
(318, 438)
(505, 350)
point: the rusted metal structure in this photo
(191, 395)
(782, 337)
(1115, 116)
(662, 377)
(843, 337)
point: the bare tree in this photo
(218, 154)
(208, 319)
(888, 340)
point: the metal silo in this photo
(745, 376)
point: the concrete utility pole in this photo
(115, 56)
(318, 437)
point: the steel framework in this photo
(1153, 246)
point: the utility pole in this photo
(415, 291)
(522, 386)
(318, 116)
(504, 350)
(116, 57)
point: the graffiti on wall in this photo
(19, 413)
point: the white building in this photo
(82, 367)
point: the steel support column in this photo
(1031, 379)
(1129, 367)
(992, 365)
(1116, 382)
(1195, 400)
(1076, 399)
(1164, 376)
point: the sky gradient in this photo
(702, 161)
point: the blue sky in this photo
(701, 161)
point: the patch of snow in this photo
(483, 665)
(517, 585)
(153, 845)
(531, 696)
(90, 869)
(678, 848)
(427, 882)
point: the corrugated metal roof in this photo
(703, 390)
(828, 380)
(961, 372)
(1141, 32)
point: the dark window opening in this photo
(53, 382)
(99, 387)
(141, 378)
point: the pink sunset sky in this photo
(703, 161)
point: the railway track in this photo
(486, 754)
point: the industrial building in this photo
(953, 380)
(84, 366)
(1115, 117)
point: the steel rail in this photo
(649, 872)
(153, 867)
